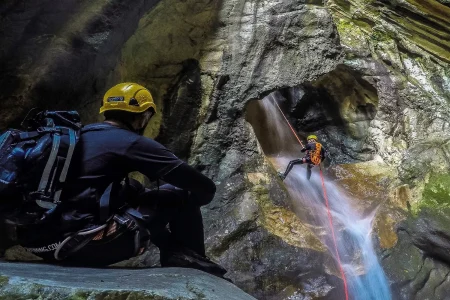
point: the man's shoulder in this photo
(147, 142)
(108, 129)
(107, 134)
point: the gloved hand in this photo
(303, 149)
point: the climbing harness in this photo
(330, 218)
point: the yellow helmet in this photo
(128, 96)
(312, 137)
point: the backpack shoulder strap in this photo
(95, 127)
(49, 167)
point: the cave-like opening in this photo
(338, 107)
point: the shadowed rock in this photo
(418, 264)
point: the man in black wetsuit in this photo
(93, 231)
(315, 154)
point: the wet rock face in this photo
(419, 263)
(281, 44)
(401, 48)
(398, 49)
(182, 102)
(252, 260)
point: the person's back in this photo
(107, 153)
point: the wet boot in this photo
(183, 257)
(281, 175)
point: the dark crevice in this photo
(441, 283)
(423, 282)
(219, 86)
(407, 52)
(182, 104)
(242, 231)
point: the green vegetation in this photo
(380, 36)
(3, 281)
(436, 193)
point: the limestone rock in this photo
(33, 281)
(18, 253)
(418, 264)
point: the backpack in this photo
(34, 163)
(315, 155)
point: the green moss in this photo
(436, 193)
(344, 25)
(379, 36)
(199, 294)
(351, 34)
(4, 280)
(283, 223)
(79, 296)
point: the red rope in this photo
(330, 218)
(293, 131)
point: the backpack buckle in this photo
(48, 130)
(43, 200)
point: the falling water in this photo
(365, 277)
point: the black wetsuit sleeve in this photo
(150, 158)
(308, 147)
(156, 161)
(187, 178)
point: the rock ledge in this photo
(41, 281)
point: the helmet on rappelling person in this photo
(312, 137)
(128, 97)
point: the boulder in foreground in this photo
(41, 281)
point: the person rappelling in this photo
(315, 154)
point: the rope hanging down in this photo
(330, 218)
(301, 144)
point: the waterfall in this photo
(364, 275)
